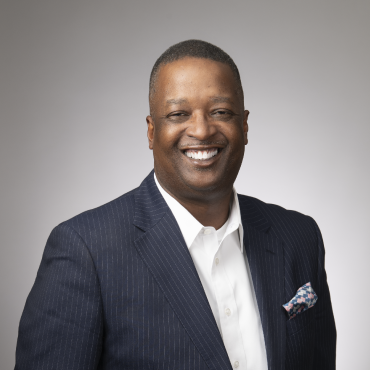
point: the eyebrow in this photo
(176, 101)
(220, 99)
(215, 99)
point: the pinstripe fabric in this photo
(117, 289)
(285, 250)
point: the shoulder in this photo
(288, 225)
(116, 214)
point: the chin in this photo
(204, 183)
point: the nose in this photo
(201, 127)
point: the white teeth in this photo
(201, 154)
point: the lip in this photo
(204, 162)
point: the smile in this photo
(201, 154)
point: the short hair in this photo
(192, 49)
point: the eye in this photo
(176, 115)
(221, 112)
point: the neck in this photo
(209, 212)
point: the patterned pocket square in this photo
(303, 300)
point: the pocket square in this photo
(302, 301)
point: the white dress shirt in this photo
(220, 261)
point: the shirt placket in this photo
(228, 312)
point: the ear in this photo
(150, 132)
(245, 126)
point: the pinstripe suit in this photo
(117, 289)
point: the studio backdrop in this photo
(74, 81)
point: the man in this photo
(182, 272)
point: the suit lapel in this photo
(266, 262)
(163, 249)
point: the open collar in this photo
(190, 226)
(163, 249)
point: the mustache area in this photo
(203, 143)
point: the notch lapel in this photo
(164, 251)
(266, 261)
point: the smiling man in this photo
(198, 131)
(183, 272)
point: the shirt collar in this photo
(190, 226)
(234, 222)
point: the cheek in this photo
(165, 148)
(235, 137)
(237, 148)
(166, 137)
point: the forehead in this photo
(195, 76)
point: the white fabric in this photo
(224, 272)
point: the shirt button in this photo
(207, 231)
(228, 313)
(236, 364)
(217, 261)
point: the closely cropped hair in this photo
(193, 49)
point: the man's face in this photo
(197, 128)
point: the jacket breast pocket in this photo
(300, 321)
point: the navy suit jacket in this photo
(117, 289)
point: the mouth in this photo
(202, 154)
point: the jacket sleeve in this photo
(326, 334)
(61, 325)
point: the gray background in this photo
(73, 100)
